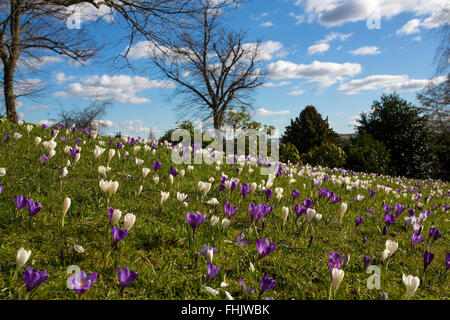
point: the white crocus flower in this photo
(22, 258)
(128, 221)
(213, 202)
(225, 223)
(145, 172)
(37, 140)
(285, 214)
(116, 216)
(336, 278)
(66, 206)
(342, 211)
(164, 196)
(214, 220)
(411, 284)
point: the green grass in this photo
(160, 248)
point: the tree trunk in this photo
(8, 88)
(217, 120)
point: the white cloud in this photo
(338, 12)
(325, 73)
(87, 12)
(276, 85)
(120, 88)
(60, 78)
(396, 83)
(267, 24)
(336, 36)
(318, 48)
(296, 92)
(437, 19)
(412, 26)
(267, 49)
(365, 51)
(264, 112)
(298, 18)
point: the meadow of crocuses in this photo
(84, 216)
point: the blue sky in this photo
(316, 52)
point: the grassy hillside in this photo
(160, 245)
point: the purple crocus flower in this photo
(44, 126)
(427, 258)
(194, 220)
(417, 238)
(364, 240)
(21, 202)
(295, 194)
(204, 250)
(366, 261)
(77, 140)
(299, 210)
(335, 198)
(266, 284)
(118, 234)
(260, 211)
(264, 248)
(387, 208)
(242, 284)
(358, 221)
(241, 242)
(412, 212)
(268, 193)
(1, 188)
(435, 233)
(399, 209)
(212, 271)
(173, 171)
(7, 138)
(234, 185)
(33, 278)
(126, 277)
(81, 282)
(245, 189)
(308, 203)
(156, 166)
(33, 207)
(43, 159)
(334, 262)
(389, 219)
(221, 187)
(230, 210)
(372, 192)
(73, 152)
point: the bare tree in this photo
(435, 100)
(214, 68)
(29, 29)
(32, 28)
(90, 117)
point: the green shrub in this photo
(327, 154)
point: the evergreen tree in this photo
(308, 130)
(401, 127)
